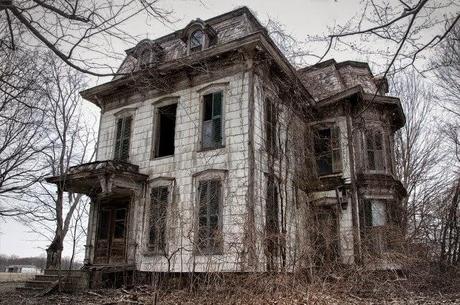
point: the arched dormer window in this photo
(147, 53)
(198, 36)
(196, 41)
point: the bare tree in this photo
(397, 34)
(417, 149)
(72, 143)
(22, 136)
(77, 31)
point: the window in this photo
(375, 220)
(272, 229)
(389, 154)
(327, 150)
(122, 138)
(158, 213)
(119, 223)
(374, 146)
(196, 41)
(165, 131)
(271, 117)
(209, 228)
(212, 121)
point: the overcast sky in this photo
(300, 17)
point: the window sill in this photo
(212, 148)
(162, 157)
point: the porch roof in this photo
(100, 177)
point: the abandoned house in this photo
(216, 155)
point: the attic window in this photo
(196, 41)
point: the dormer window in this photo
(197, 41)
(198, 35)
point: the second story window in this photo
(212, 133)
(196, 42)
(158, 213)
(327, 150)
(271, 134)
(209, 224)
(123, 137)
(165, 131)
(374, 148)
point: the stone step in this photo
(65, 272)
(38, 284)
(24, 288)
(52, 278)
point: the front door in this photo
(111, 232)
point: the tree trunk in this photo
(54, 253)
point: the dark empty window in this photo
(104, 221)
(327, 150)
(212, 120)
(122, 138)
(119, 223)
(271, 118)
(158, 212)
(374, 146)
(209, 229)
(196, 41)
(272, 228)
(166, 126)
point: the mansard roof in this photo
(223, 28)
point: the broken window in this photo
(209, 228)
(122, 140)
(272, 228)
(196, 41)
(375, 220)
(165, 131)
(271, 117)
(158, 213)
(327, 150)
(374, 146)
(212, 133)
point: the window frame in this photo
(203, 41)
(167, 101)
(211, 89)
(272, 148)
(159, 182)
(334, 128)
(123, 115)
(383, 151)
(221, 177)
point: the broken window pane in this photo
(165, 132)
(212, 121)
(196, 41)
(327, 150)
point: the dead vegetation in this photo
(417, 285)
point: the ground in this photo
(358, 288)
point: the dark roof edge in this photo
(338, 65)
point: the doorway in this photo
(111, 232)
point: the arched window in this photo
(196, 41)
